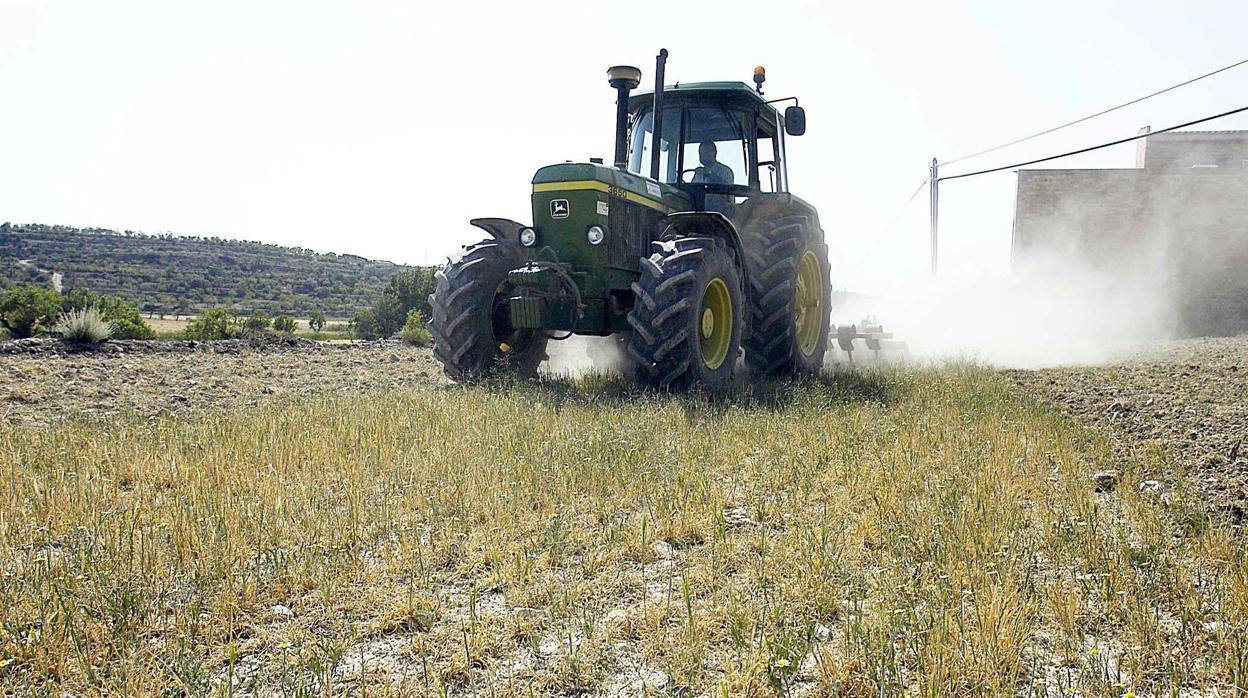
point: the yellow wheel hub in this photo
(808, 323)
(716, 323)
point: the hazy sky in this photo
(380, 128)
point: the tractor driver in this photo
(713, 172)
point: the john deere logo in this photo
(559, 208)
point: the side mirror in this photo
(795, 121)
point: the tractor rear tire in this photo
(687, 316)
(472, 336)
(790, 296)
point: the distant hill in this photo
(168, 274)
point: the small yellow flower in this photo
(1095, 651)
(1129, 694)
(782, 663)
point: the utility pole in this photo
(935, 189)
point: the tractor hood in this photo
(571, 198)
(616, 183)
(622, 210)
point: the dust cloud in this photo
(1048, 311)
(1064, 303)
(577, 355)
(1104, 262)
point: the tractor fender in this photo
(708, 224)
(500, 229)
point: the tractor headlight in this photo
(596, 235)
(528, 237)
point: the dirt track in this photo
(1189, 397)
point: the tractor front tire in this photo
(687, 315)
(790, 296)
(472, 335)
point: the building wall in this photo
(1178, 236)
(1225, 151)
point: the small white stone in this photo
(1152, 486)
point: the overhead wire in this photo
(1099, 113)
(883, 233)
(1095, 147)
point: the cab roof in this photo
(723, 89)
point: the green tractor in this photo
(689, 247)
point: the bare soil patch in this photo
(1189, 398)
(44, 381)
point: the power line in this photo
(879, 238)
(1099, 113)
(1095, 147)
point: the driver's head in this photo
(706, 153)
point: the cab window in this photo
(769, 173)
(642, 144)
(715, 148)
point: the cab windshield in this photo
(699, 145)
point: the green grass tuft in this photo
(83, 325)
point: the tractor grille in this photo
(632, 228)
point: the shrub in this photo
(128, 328)
(316, 321)
(406, 291)
(364, 324)
(26, 309)
(257, 323)
(284, 324)
(84, 325)
(414, 330)
(383, 319)
(125, 318)
(217, 323)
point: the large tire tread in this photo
(664, 341)
(773, 250)
(463, 300)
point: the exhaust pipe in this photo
(623, 78)
(656, 139)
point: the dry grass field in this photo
(173, 326)
(169, 325)
(927, 532)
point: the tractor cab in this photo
(720, 142)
